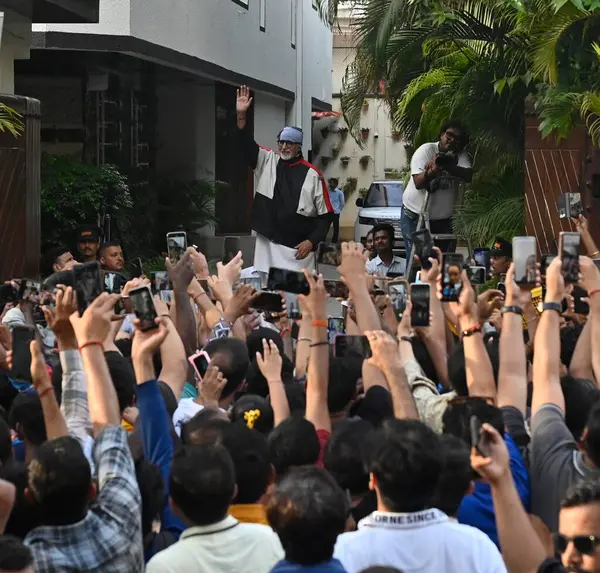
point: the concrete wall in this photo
(269, 119)
(15, 39)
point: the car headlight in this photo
(365, 221)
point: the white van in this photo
(382, 204)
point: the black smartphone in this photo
(21, 358)
(545, 263)
(423, 247)
(345, 345)
(30, 290)
(398, 292)
(328, 254)
(267, 302)
(525, 260)
(479, 439)
(477, 275)
(231, 247)
(88, 284)
(501, 287)
(452, 266)
(336, 289)
(568, 251)
(482, 258)
(287, 281)
(336, 325)
(176, 245)
(569, 205)
(581, 307)
(8, 293)
(143, 306)
(419, 297)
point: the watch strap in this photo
(553, 306)
(512, 309)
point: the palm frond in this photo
(10, 120)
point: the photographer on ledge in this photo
(437, 167)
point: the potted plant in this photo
(325, 161)
(363, 192)
(395, 135)
(345, 160)
(364, 161)
(365, 105)
(349, 187)
(335, 150)
(343, 131)
(324, 132)
(364, 132)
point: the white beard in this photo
(286, 155)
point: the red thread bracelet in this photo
(323, 323)
(471, 330)
(90, 343)
(593, 292)
(45, 391)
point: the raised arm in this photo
(546, 358)
(591, 283)
(270, 365)
(91, 330)
(590, 245)
(317, 410)
(512, 376)
(249, 146)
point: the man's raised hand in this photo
(270, 363)
(94, 326)
(231, 271)
(243, 100)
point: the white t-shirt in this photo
(441, 203)
(422, 542)
(186, 410)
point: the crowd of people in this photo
(468, 445)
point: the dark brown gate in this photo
(20, 193)
(552, 168)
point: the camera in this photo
(446, 159)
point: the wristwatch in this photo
(553, 306)
(512, 309)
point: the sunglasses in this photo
(584, 544)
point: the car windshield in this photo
(384, 195)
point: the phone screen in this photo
(287, 281)
(161, 286)
(201, 362)
(581, 307)
(575, 205)
(335, 325)
(525, 260)
(569, 254)
(477, 275)
(419, 296)
(482, 258)
(328, 254)
(255, 283)
(30, 290)
(336, 289)
(267, 302)
(176, 245)
(345, 345)
(88, 284)
(398, 296)
(452, 266)
(143, 306)
(423, 243)
(231, 247)
(21, 360)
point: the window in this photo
(384, 195)
(262, 15)
(294, 18)
(242, 3)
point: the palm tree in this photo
(10, 120)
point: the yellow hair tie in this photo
(250, 417)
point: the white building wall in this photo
(269, 119)
(15, 39)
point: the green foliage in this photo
(75, 193)
(349, 187)
(10, 120)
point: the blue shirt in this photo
(477, 509)
(336, 196)
(332, 566)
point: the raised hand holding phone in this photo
(57, 318)
(495, 466)
(145, 344)
(211, 387)
(94, 325)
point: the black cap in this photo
(88, 233)
(501, 248)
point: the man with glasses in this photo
(291, 211)
(437, 167)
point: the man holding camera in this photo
(437, 167)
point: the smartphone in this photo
(568, 249)
(143, 306)
(21, 361)
(231, 247)
(256, 283)
(501, 286)
(581, 307)
(525, 260)
(200, 362)
(452, 266)
(328, 254)
(482, 258)
(335, 325)
(30, 290)
(287, 281)
(267, 302)
(419, 297)
(423, 247)
(597, 263)
(569, 205)
(88, 284)
(545, 263)
(176, 245)
(479, 439)
(398, 292)
(336, 289)
(344, 345)
(8, 293)
(477, 275)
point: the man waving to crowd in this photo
(291, 209)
